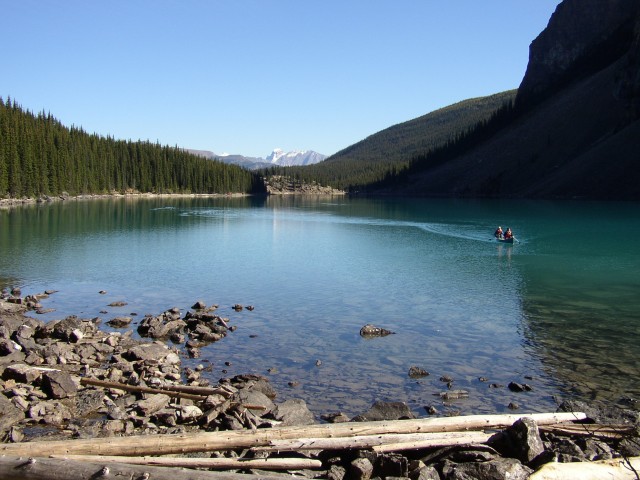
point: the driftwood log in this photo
(381, 443)
(140, 389)
(140, 445)
(213, 463)
(14, 468)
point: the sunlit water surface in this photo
(559, 310)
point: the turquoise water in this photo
(560, 310)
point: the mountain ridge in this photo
(574, 131)
(277, 157)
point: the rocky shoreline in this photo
(44, 199)
(68, 379)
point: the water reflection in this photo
(560, 307)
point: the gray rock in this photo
(293, 412)
(119, 322)
(153, 403)
(9, 414)
(369, 331)
(417, 372)
(7, 347)
(496, 469)
(524, 440)
(424, 473)
(21, 373)
(254, 397)
(58, 385)
(88, 401)
(392, 465)
(360, 469)
(149, 352)
(336, 472)
(385, 411)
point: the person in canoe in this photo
(508, 234)
(498, 233)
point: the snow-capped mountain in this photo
(296, 157)
(276, 157)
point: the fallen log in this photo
(140, 389)
(13, 468)
(617, 468)
(229, 440)
(378, 442)
(611, 432)
(197, 390)
(213, 463)
(474, 439)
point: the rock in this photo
(385, 411)
(190, 413)
(199, 305)
(88, 401)
(567, 451)
(9, 414)
(153, 403)
(454, 394)
(519, 387)
(65, 329)
(21, 373)
(7, 347)
(293, 412)
(392, 465)
(369, 331)
(254, 397)
(496, 469)
(360, 469)
(335, 417)
(524, 440)
(147, 352)
(119, 322)
(336, 472)
(58, 385)
(417, 372)
(600, 412)
(424, 472)
(117, 304)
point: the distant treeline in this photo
(40, 156)
(389, 156)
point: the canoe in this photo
(506, 240)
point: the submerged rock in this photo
(372, 331)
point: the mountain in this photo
(276, 157)
(390, 150)
(575, 129)
(297, 157)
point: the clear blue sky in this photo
(245, 76)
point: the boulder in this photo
(417, 372)
(58, 385)
(119, 322)
(9, 414)
(524, 440)
(385, 411)
(293, 412)
(21, 373)
(153, 403)
(496, 469)
(360, 469)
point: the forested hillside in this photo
(390, 151)
(574, 131)
(40, 156)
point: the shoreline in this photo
(70, 378)
(46, 199)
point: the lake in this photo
(559, 310)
